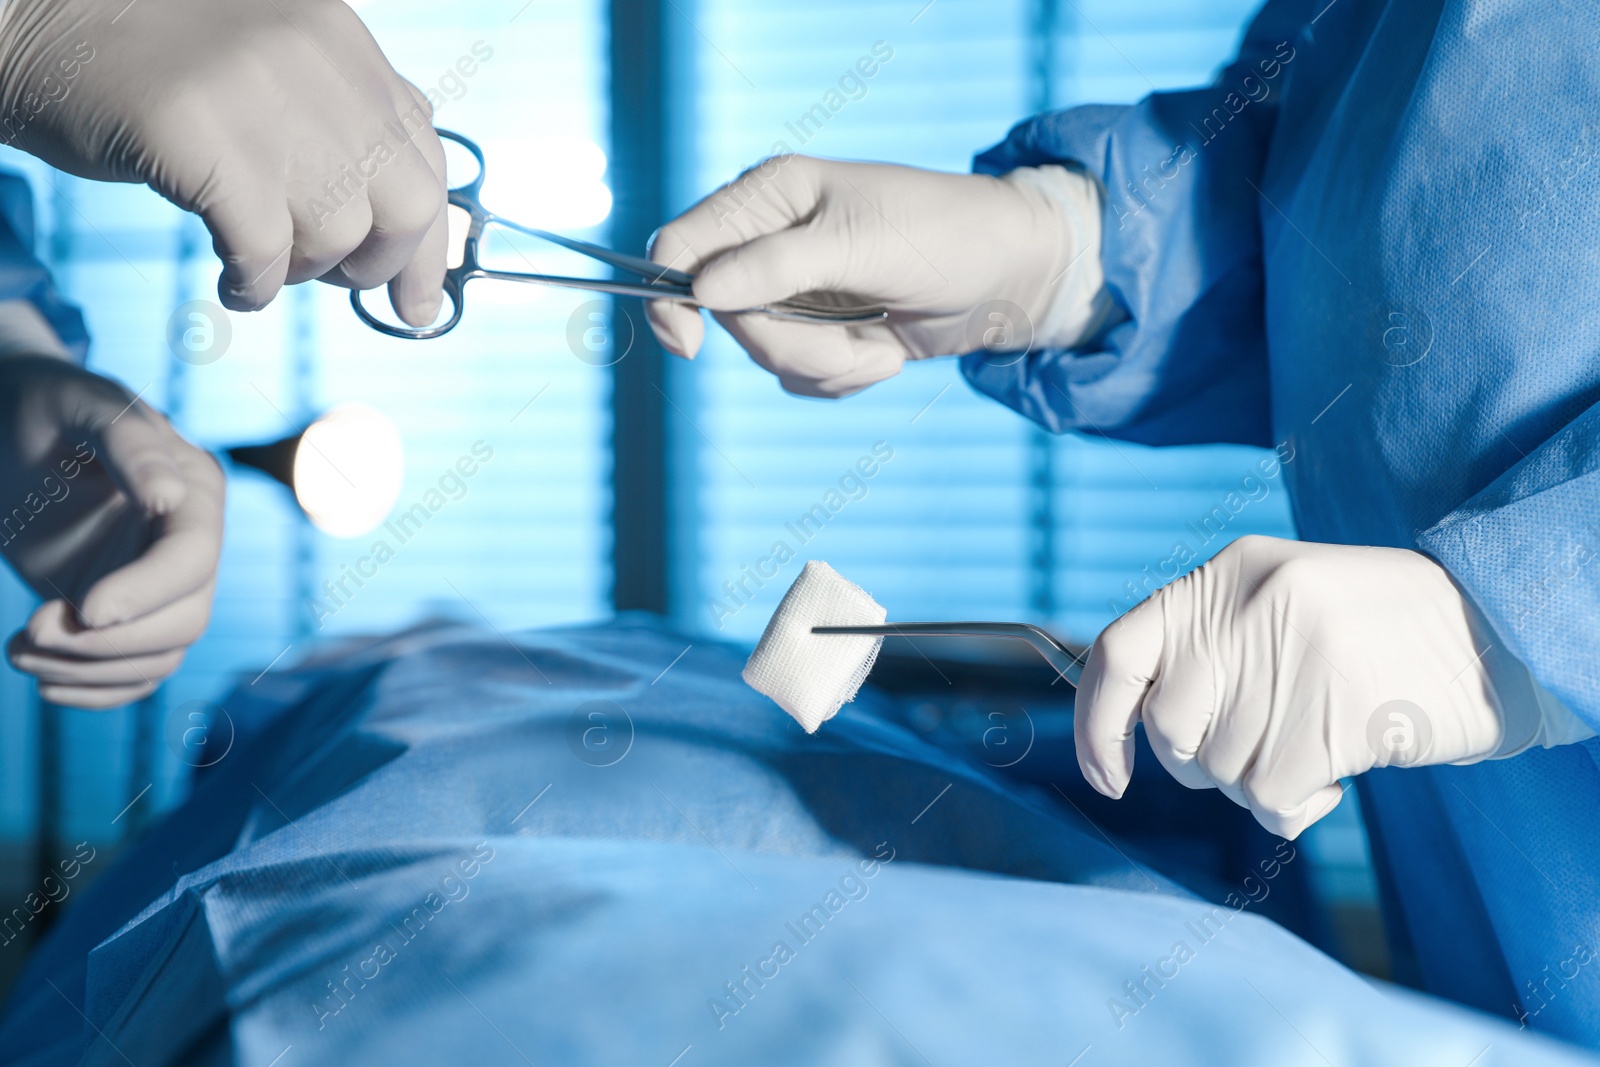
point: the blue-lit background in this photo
(526, 545)
(976, 515)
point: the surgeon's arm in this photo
(1281, 667)
(1130, 304)
(961, 261)
(281, 124)
(109, 516)
(1181, 250)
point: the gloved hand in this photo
(940, 250)
(114, 520)
(281, 124)
(1281, 667)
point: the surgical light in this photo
(345, 469)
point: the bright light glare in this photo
(348, 470)
(457, 223)
(554, 183)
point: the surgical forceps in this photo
(657, 282)
(1068, 667)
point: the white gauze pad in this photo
(812, 676)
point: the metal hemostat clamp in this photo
(656, 282)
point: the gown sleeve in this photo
(1527, 549)
(1184, 360)
(23, 276)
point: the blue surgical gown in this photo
(1376, 237)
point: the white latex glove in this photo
(113, 519)
(281, 124)
(942, 251)
(1281, 667)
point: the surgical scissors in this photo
(657, 282)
